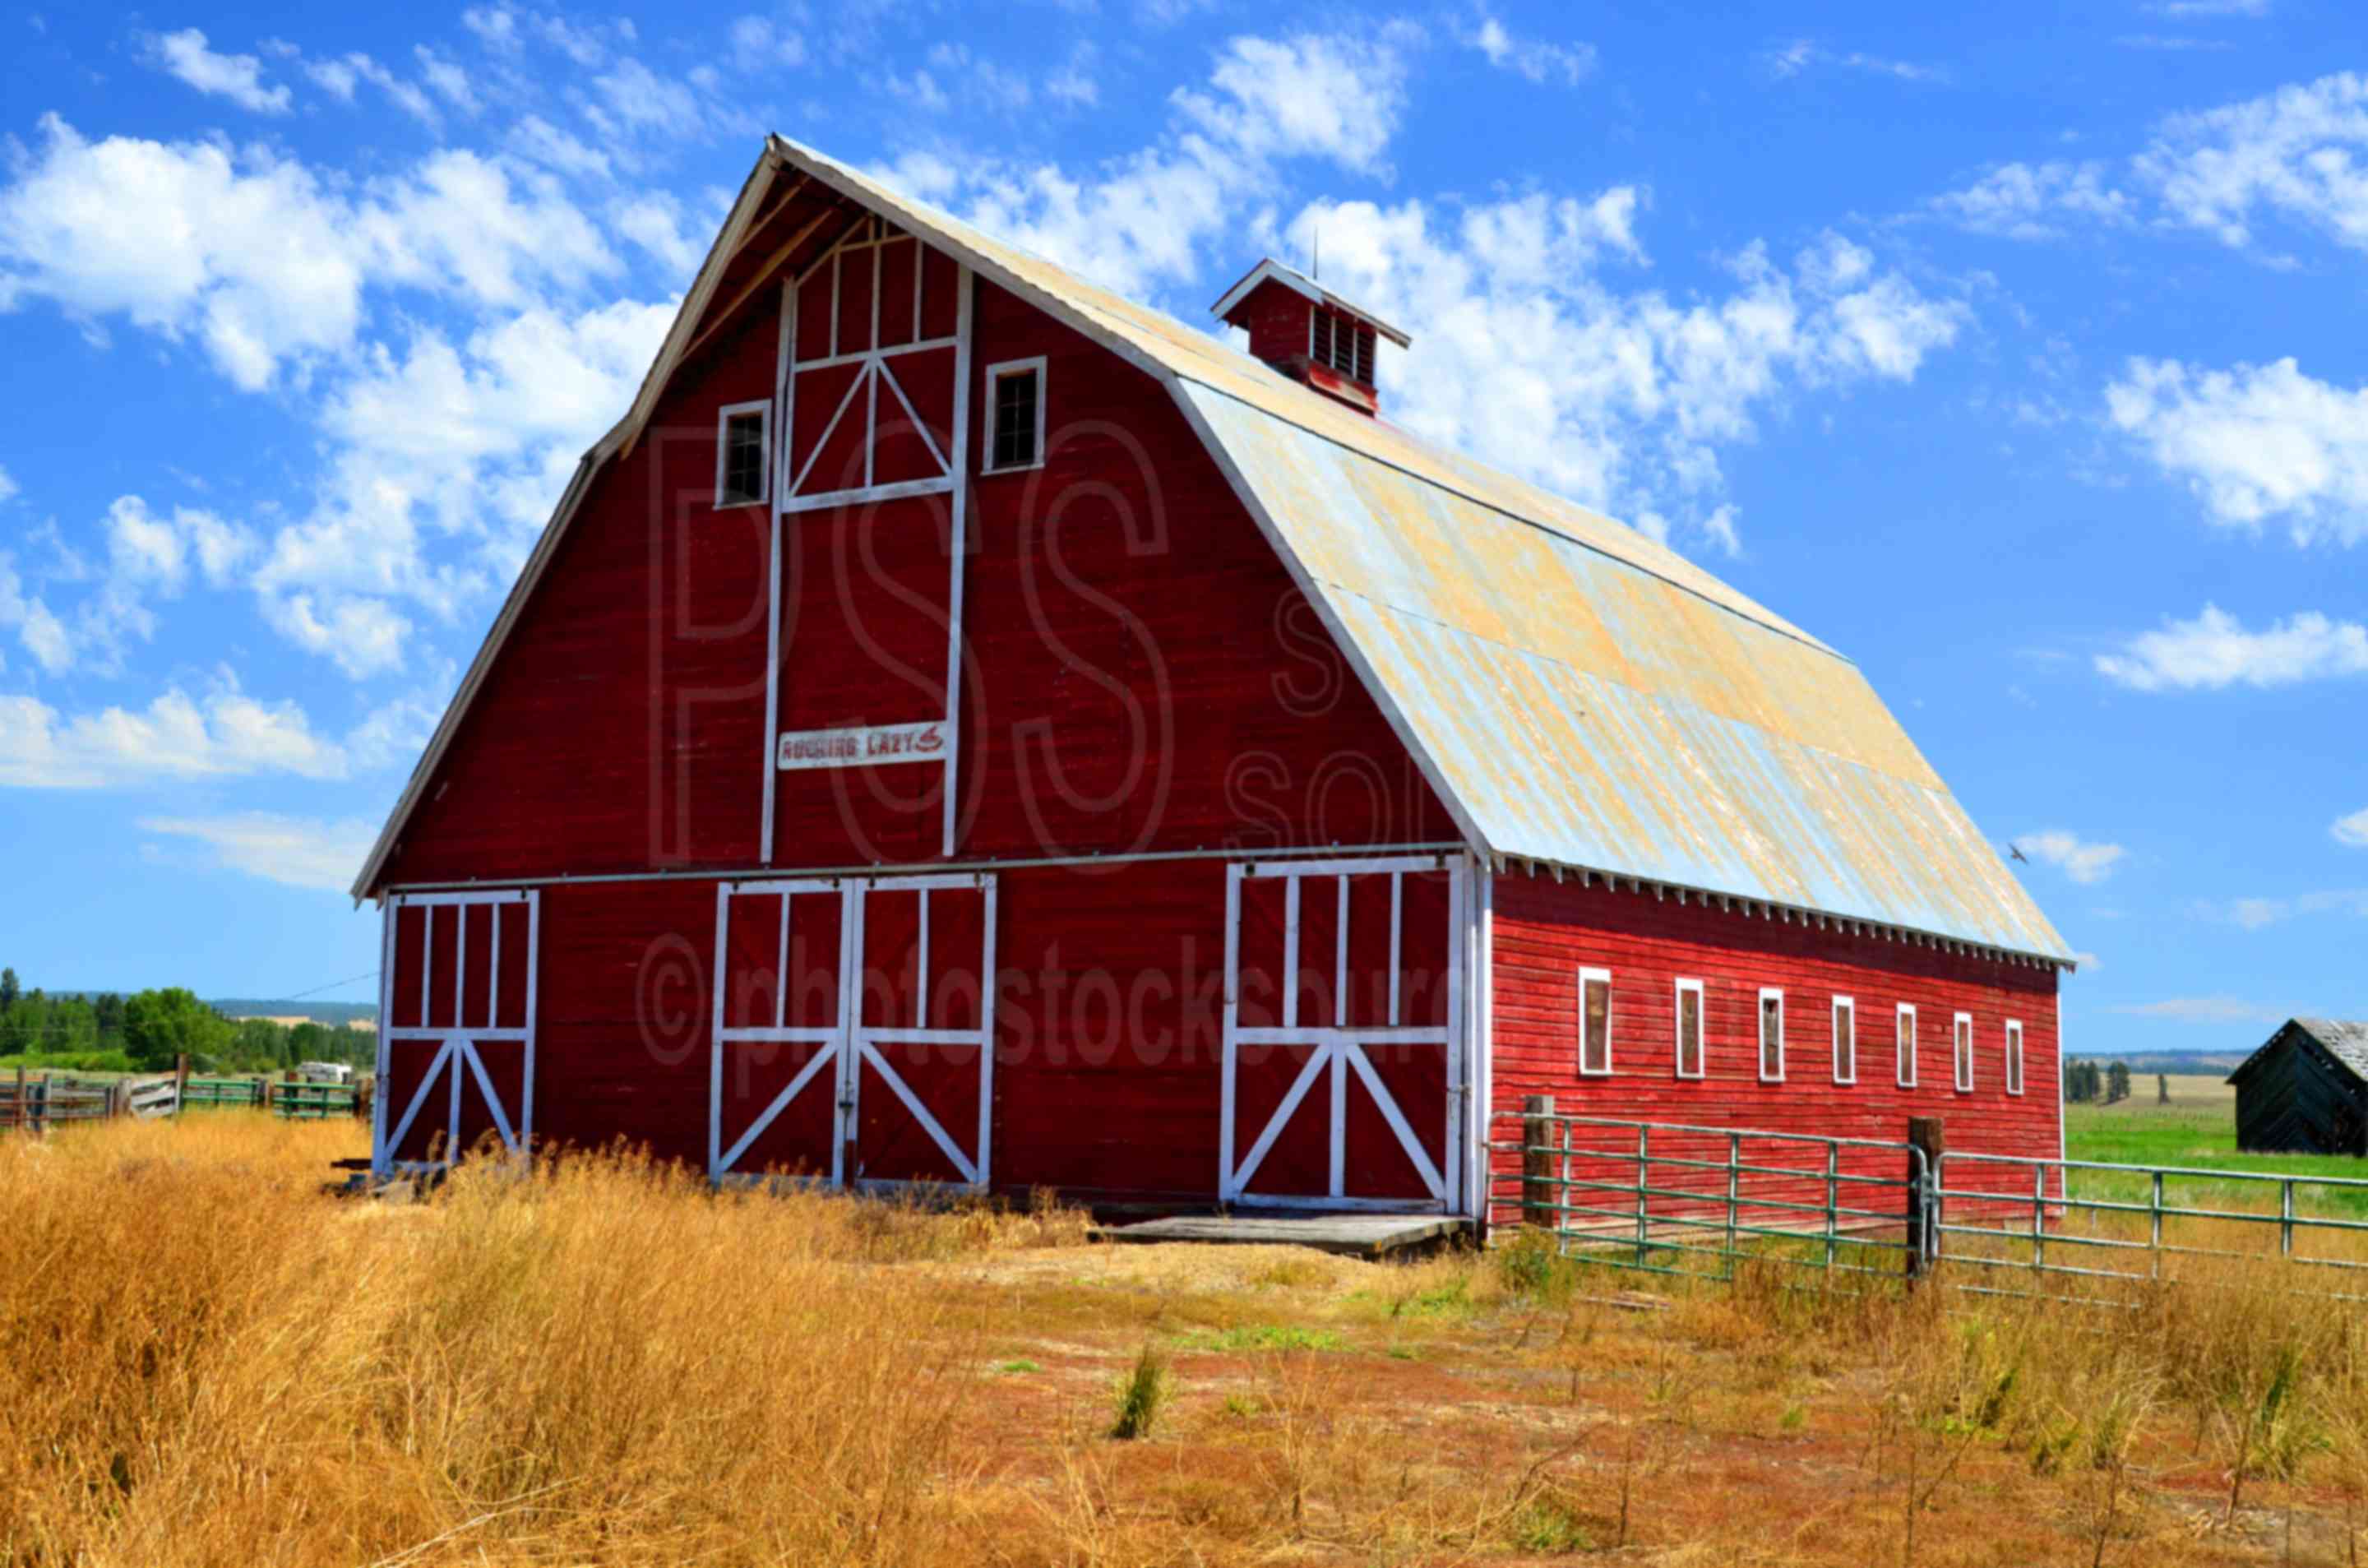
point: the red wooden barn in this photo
(964, 727)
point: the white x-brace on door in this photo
(456, 1026)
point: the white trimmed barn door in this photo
(1344, 1055)
(853, 1031)
(456, 1035)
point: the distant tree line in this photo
(148, 1030)
(2086, 1083)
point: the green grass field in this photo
(2197, 1131)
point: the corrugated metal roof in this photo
(1582, 694)
(2346, 1040)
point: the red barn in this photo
(964, 727)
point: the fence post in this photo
(1644, 1183)
(181, 1083)
(1537, 1159)
(17, 1107)
(1926, 1137)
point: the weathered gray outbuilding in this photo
(2306, 1090)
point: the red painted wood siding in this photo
(1544, 932)
(1141, 673)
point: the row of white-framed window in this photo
(1014, 435)
(1691, 1060)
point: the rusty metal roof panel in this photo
(1586, 711)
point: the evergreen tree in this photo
(9, 991)
(2117, 1083)
(2162, 1088)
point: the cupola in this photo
(1309, 333)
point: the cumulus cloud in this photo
(2255, 913)
(1533, 360)
(1535, 60)
(2085, 861)
(1801, 54)
(2207, 1010)
(256, 259)
(2215, 650)
(2257, 444)
(2034, 201)
(301, 852)
(222, 734)
(2295, 154)
(2351, 831)
(238, 78)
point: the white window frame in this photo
(1905, 1060)
(1585, 975)
(763, 409)
(1845, 1074)
(1759, 1033)
(995, 373)
(2014, 1056)
(1961, 1051)
(1702, 1030)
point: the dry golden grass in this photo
(203, 1360)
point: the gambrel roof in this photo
(1578, 694)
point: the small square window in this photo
(1015, 415)
(1906, 1045)
(1690, 1028)
(1845, 1040)
(1965, 1047)
(743, 452)
(2014, 1056)
(1772, 1035)
(1595, 1022)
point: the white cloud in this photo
(362, 635)
(761, 44)
(2210, 8)
(2256, 444)
(2296, 153)
(1792, 58)
(655, 222)
(7, 486)
(226, 734)
(339, 78)
(1526, 358)
(2214, 651)
(301, 852)
(2255, 913)
(2084, 861)
(40, 631)
(238, 78)
(2028, 202)
(1304, 97)
(445, 79)
(1073, 82)
(2208, 1010)
(252, 255)
(2353, 829)
(1533, 59)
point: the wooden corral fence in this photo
(37, 1102)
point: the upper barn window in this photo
(1772, 1035)
(1342, 343)
(1845, 1040)
(1690, 1028)
(1907, 1027)
(1595, 1022)
(742, 467)
(2014, 1056)
(1964, 1046)
(1015, 415)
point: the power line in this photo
(300, 996)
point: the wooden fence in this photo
(37, 1102)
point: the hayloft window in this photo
(1595, 1022)
(1014, 413)
(1906, 1045)
(1963, 1034)
(2014, 1056)
(1845, 1040)
(1772, 1035)
(1342, 343)
(1690, 1028)
(740, 450)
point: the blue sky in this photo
(2010, 357)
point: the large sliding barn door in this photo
(854, 1030)
(1344, 1058)
(456, 1035)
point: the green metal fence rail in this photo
(246, 1093)
(311, 1102)
(1680, 1198)
(2070, 1235)
(38, 1103)
(1674, 1198)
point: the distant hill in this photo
(331, 1013)
(2218, 1063)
